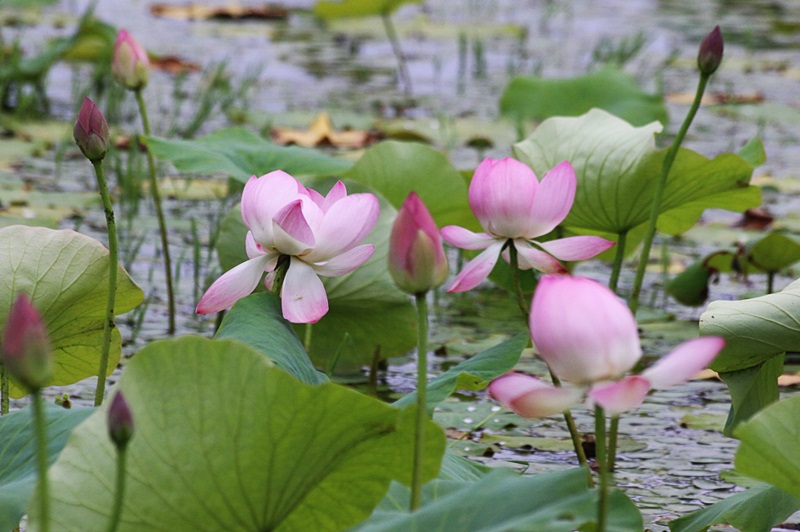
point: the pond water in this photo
(461, 54)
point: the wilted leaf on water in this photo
(755, 219)
(789, 379)
(225, 440)
(65, 274)
(537, 98)
(321, 131)
(715, 98)
(226, 11)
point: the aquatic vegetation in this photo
(329, 265)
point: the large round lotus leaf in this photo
(224, 440)
(618, 166)
(66, 276)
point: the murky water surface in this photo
(461, 55)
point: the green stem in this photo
(658, 196)
(4, 389)
(119, 493)
(575, 436)
(41, 460)
(602, 466)
(422, 386)
(770, 282)
(398, 52)
(618, 258)
(113, 266)
(162, 225)
(613, 433)
(307, 337)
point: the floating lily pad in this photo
(358, 8)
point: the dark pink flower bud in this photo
(416, 257)
(26, 353)
(710, 55)
(91, 131)
(120, 421)
(130, 66)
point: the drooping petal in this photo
(477, 269)
(346, 262)
(576, 247)
(684, 362)
(532, 258)
(501, 195)
(344, 225)
(622, 395)
(262, 198)
(582, 329)
(529, 397)
(233, 285)
(291, 230)
(464, 238)
(553, 200)
(303, 297)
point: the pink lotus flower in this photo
(416, 258)
(130, 65)
(91, 131)
(317, 235)
(511, 204)
(26, 352)
(589, 338)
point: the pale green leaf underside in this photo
(66, 276)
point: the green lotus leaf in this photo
(240, 153)
(618, 165)
(66, 276)
(358, 8)
(537, 98)
(224, 440)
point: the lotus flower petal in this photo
(621, 395)
(477, 269)
(464, 238)
(582, 329)
(262, 198)
(303, 297)
(576, 247)
(532, 258)
(684, 362)
(501, 196)
(346, 262)
(345, 224)
(233, 285)
(554, 199)
(531, 398)
(292, 233)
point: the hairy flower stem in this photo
(41, 460)
(113, 266)
(422, 388)
(523, 306)
(658, 196)
(618, 258)
(162, 225)
(388, 25)
(602, 466)
(119, 492)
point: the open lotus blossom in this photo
(317, 236)
(589, 338)
(511, 204)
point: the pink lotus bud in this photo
(582, 330)
(131, 66)
(416, 257)
(26, 353)
(710, 55)
(120, 421)
(91, 131)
